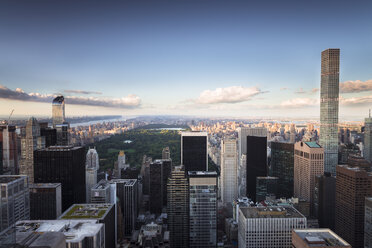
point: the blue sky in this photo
(171, 57)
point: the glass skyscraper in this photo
(329, 97)
(58, 110)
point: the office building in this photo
(194, 151)
(352, 186)
(1, 157)
(150, 236)
(159, 174)
(317, 238)
(121, 165)
(203, 191)
(14, 201)
(103, 192)
(165, 154)
(282, 166)
(324, 200)
(127, 193)
(65, 165)
(45, 201)
(31, 142)
(256, 163)
(242, 176)
(58, 111)
(266, 186)
(63, 136)
(103, 213)
(367, 151)
(91, 169)
(243, 132)
(268, 227)
(8, 136)
(178, 208)
(308, 163)
(329, 97)
(368, 222)
(77, 233)
(229, 169)
(50, 134)
(292, 133)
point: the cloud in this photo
(130, 101)
(356, 86)
(364, 100)
(233, 94)
(300, 91)
(299, 103)
(85, 92)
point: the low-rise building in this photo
(317, 238)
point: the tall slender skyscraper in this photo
(329, 97)
(91, 168)
(194, 151)
(367, 151)
(229, 177)
(58, 110)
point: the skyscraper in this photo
(256, 162)
(308, 163)
(242, 176)
(229, 169)
(194, 151)
(329, 97)
(29, 144)
(166, 153)
(65, 165)
(367, 151)
(243, 132)
(368, 222)
(266, 186)
(159, 173)
(324, 200)
(352, 186)
(58, 110)
(91, 168)
(178, 208)
(281, 166)
(8, 136)
(203, 209)
(45, 201)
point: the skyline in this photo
(204, 58)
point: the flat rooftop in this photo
(129, 182)
(61, 148)
(87, 211)
(103, 184)
(270, 212)
(44, 185)
(320, 237)
(202, 173)
(312, 144)
(194, 133)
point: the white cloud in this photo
(299, 102)
(356, 86)
(233, 94)
(85, 92)
(364, 100)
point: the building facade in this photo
(58, 110)
(329, 98)
(266, 186)
(91, 169)
(324, 200)
(229, 170)
(159, 173)
(367, 149)
(45, 201)
(194, 151)
(203, 191)
(368, 222)
(8, 136)
(317, 238)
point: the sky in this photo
(205, 57)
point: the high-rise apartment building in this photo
(281, 166)
(329, 98)
(264, 227)
(8, 136)
(317, 238)
(229, 170)
(194, 151)
(178, 208)
(159, 173)
(65, 165)
(352, 186)
(45, 201)
(308, 163)
(58, 110)
(368, 222)
(256, 162)
(91, 168)
(324, 200)
(203, 191)
(14, 201)
(31, 142)
(165, 153)
(367, 151)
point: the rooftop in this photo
(271, 212)
(202, 173)
(312, 144)
(128, 182)
(320, 237)
(86, 211)
(45, 185)
(194, 133)
(103, 184)
(61, 148)
(58, 100)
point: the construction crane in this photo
(11, 113)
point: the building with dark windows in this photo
(256, 162)
(8, 136)
(368, 222)
(63, 134)
(353, 185)
(324, 200)
(266, 186)
(194, 151)
(65, 165)
(178, 208)
(367, 151)
(45, 201)
(50, 134)
(281, 166)
(329, 97)
(103, 213)
(159, 174)
(203, 192)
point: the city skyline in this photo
(196, 58)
